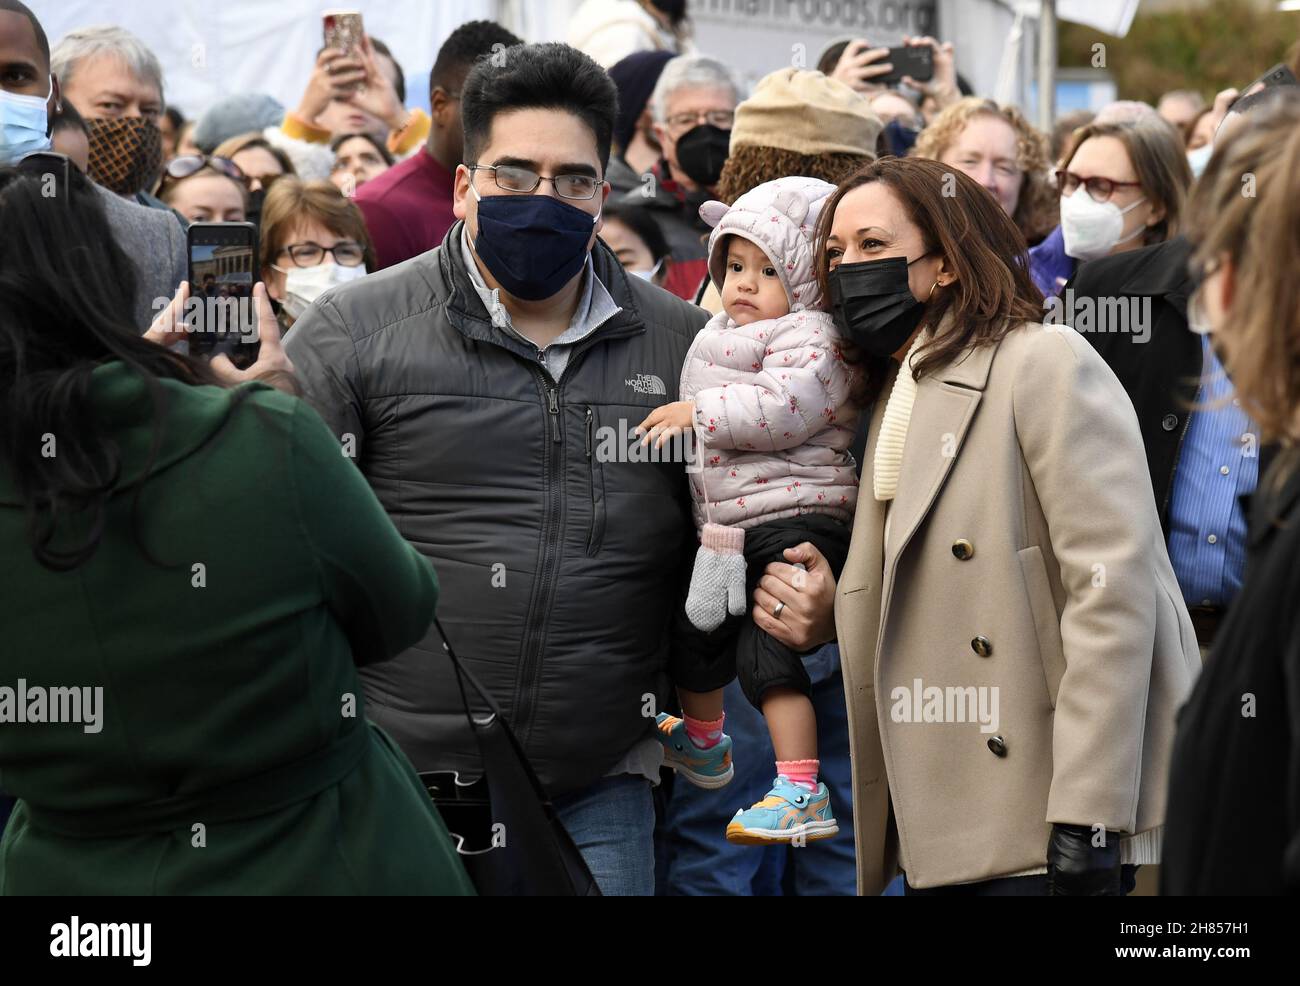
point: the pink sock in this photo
(801, 772)
(705, 735)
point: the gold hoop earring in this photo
(932, 287)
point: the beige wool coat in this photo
(1025, 588)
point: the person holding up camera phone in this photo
(921, 63)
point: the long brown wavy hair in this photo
(959, 220)
(1246, 206)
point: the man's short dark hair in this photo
(548, 76)
(400, 85)
(463, 47)
(17, 7)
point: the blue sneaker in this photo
(789, 813)
(704, 768)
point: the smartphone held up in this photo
(344, 32)
(221, 314)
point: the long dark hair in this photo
(960, 220)
(67, 298)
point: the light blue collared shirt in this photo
(1218, 463)
(595, 308)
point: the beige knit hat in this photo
(805, 112)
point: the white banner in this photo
(215, 48)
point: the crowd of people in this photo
(839, 487)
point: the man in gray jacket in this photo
(488, 389)
(155, 242)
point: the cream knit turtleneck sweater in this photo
(893, 426)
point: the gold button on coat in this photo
(963, 549)
(982, 646)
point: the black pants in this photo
(702, 661)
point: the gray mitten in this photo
(718, 580)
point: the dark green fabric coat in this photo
(233, 755)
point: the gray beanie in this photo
(235, 115)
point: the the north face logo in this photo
(647, 383)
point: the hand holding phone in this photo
(220, 314)
(335, 76)
(344, 32)
(861, 66)
(172, 325)
(271, 357)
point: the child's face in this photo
(751, 290)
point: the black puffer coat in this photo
(559, 572)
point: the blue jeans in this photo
(700, 861)
(613, 823)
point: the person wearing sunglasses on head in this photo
(312, 238)
(1122, 187)
(205, 189)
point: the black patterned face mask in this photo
(125, 153)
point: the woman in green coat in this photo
(191, 576)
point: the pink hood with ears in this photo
(779, 217)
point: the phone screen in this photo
(221, 315)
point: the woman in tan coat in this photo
(1014, 642)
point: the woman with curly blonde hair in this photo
(1002, 151)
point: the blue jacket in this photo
(1049, 265)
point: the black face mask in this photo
(873, 306)
(702, 151)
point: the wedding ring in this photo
(776, 613)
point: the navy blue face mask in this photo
(533, 244)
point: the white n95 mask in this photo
(1091, 229)
(303, 285)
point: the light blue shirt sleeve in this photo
(1218, 463)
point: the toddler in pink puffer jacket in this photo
(766, 390)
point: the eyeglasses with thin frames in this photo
(512, 178)
(345, 253)
(722, 119)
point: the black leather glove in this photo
(1077, 868)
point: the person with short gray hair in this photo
(116, 83)
(693, 106)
